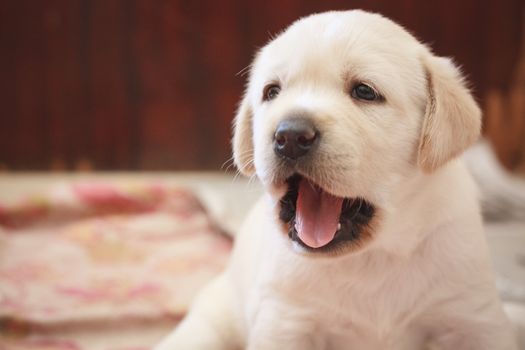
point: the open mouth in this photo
(320, 221)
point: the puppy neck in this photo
(426, 204)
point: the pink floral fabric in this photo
(97, 261)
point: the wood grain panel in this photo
(153, 84)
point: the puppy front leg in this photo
(272, 341)
(486, 339)
(209, 324)
(486, 329)
(281, 328)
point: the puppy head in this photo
(340, 110)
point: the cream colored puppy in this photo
(370, 235)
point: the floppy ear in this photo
(452, 117)
(243, 139)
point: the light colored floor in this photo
(228, 199)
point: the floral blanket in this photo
(102, 266)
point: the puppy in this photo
(370, 235)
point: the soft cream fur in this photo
(424, 279)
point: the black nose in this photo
(294, 137)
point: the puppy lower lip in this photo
(343, 225)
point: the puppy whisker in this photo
(244, 71)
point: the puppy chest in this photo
(331, 317)
(321, 327)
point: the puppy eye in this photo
(364, 92)
(271, 91)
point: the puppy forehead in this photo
(339, 38)
(336, 48)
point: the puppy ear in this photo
(452, 117)
(243, 139)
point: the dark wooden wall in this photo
(153, 84)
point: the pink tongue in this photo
(317, 215)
